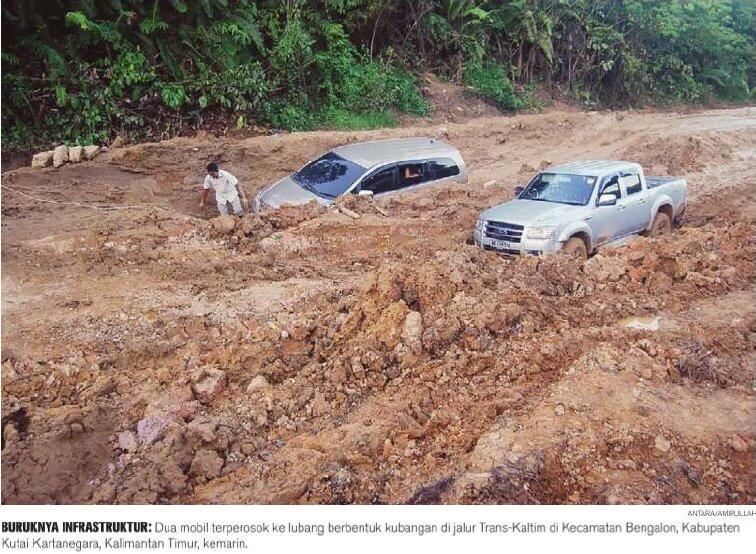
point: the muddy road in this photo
(152, 355)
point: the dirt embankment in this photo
(151, 355)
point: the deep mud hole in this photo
(151, 355)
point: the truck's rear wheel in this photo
(661, 226)
(576, 247)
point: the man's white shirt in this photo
(224, 186)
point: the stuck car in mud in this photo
(374, 168)
(580, 206)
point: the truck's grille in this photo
(504, 231)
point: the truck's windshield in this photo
(560, 188)
(329, 176)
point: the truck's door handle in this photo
(642, 201)
(620, 208)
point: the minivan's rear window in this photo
(443, 167)
(329, 176)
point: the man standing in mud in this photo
(227, 190)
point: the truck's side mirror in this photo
(518, 191)
(607, 200)
(367, 193)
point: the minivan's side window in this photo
(443, 167)
(632, 183)
(413, 174)
(382, 181)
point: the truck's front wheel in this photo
(661, 226)
(576, 247)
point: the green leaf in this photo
(179, 6)
(173, 96)
(78, 19)
(61, 95)
(150, 26)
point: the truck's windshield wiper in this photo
(555, 201)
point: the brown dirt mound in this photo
(452, 103)
(681, 155)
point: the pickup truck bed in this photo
(653, 182)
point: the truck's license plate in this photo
(501, 244)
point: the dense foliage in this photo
(85, 70)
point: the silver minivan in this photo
(376, 168)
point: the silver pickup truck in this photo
(580, 206)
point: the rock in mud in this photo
(127, 441)
(188, 410)
(389, 327)
(662, 444)
(259, 382)
(102, 386)
(222, 225)
(42, 159)
(606, 268)
(660, 283)
(512, 313)
(91, 151)
(76, 428)
(206, 430)
(412, 333)
(153, 428)
(74, 154)
(60, 155)
(738, 444)
(252, 224)
(500, 318)
(646, 372)
(10, 433)
(207, 382)
(207, 464)
(320, 405)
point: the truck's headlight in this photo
(479, 224)
(540, 232)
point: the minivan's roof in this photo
(593, 168)
(376, 152)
